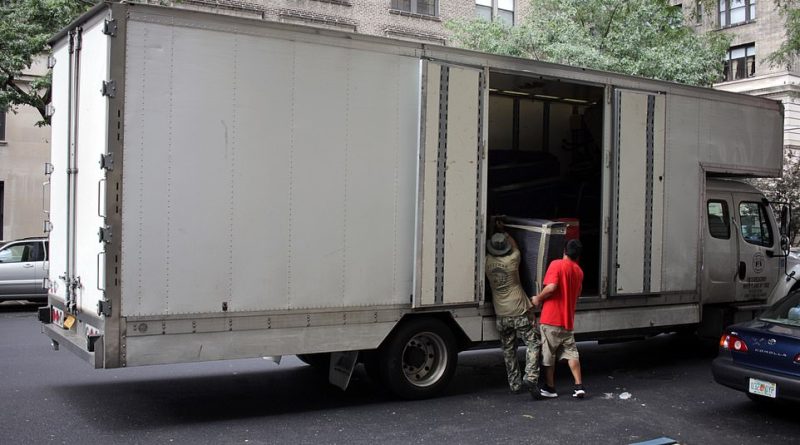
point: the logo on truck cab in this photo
(758, 262)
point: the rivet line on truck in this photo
(224, 188)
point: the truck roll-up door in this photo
(639, 192)
(450, 214)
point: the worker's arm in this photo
(512, 241)
(546, 293)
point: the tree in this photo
(639, 37)
(25, 27)
(785, 189)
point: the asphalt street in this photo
(642, 390)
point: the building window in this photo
(740, 63)
(501, 10)
(423, 7)
(2, 125)
(733, 12)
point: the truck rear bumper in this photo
(75, 343)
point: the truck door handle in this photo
(27, 266)
(770, 253)
(742, 270)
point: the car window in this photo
(785, 311)
(37, 252)
(755, 224)
(15, 253)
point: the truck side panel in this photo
(729, 135)
(256, 179)
(683, 185)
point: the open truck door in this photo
(637, 212)
(450, 214)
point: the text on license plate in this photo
(762, 388)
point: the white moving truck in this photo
(265, 189)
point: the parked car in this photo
(23, 267)
(762, 357)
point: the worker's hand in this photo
(536, 301)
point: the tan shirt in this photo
(507, 294)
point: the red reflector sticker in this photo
(58, 317)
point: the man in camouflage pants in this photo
(512, 309)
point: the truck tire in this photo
(320, 361)
(418, 359)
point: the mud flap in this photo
(342, 365)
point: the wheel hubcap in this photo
(424, 359)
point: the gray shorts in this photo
(557, 343)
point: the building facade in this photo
(758, 30)
(24, 150)
(416, 20)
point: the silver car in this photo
(23, 267)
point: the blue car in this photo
(762, 357)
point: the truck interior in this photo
(545, 158)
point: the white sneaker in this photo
(548, 392)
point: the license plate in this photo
(762, 388)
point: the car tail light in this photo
(797, 359)
(732, 342)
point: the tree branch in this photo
(608, 25)
(28, 98)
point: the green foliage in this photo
(790, 48)
(785, 189)
(639, 37)
(25, 27)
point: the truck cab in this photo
(742, 253)
(745, 266)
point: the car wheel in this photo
(418, 359)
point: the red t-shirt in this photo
(559, 309)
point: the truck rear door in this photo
(451, 182)
(76, 219)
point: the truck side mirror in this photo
(785, 244)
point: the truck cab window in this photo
(755, 224)
(718, 220)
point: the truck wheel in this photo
(419, 358)
(320, 361)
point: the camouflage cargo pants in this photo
(511, 329)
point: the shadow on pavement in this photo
(140, 403)
(168, 401)
(19, 306)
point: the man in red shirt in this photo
(562, 286)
